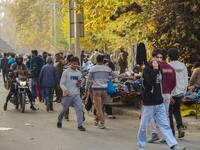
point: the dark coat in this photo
(48, 76)
(152, 93)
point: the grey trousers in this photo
(73, 100)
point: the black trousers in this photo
(175, 110)
(5, 74)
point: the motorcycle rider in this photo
(15, 68)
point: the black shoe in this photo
(51, 109)
(181, 133)
(81, 128)
(32, 107)
(59, 125)
(16, 106)
(5, 106)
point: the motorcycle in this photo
(19, 98)
(85, 70)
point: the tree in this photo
(114, 23)
(176, 24)
(6, 25)
(100, 30)
(33, 23)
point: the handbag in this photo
(111, 89)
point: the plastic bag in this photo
(111, 88)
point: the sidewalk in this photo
(189, 121)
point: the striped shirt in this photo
(99, 75)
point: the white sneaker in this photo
(140, 148)
(177, 147)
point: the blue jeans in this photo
(159, 114)
(48, 94)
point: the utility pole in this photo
(77, 18)
(69, 24)
(55, 27)
(51, 24)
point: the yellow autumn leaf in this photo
(150, 27)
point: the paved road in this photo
(36, 130)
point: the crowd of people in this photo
(164, 86)
(58, 74)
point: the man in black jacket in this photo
(4, 67)
(153, 104)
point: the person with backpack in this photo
(35, 67)
(11, 60)
(18, 65)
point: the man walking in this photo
(178, 92)
(99, 74)
(4, 67)
(48, 79)
(168, 84)
(82, 57)
(153, 104)
(58, 63)
(70, 82)
(35, 66)
(93, 57)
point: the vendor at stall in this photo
(195, 77)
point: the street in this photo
(36, 130)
